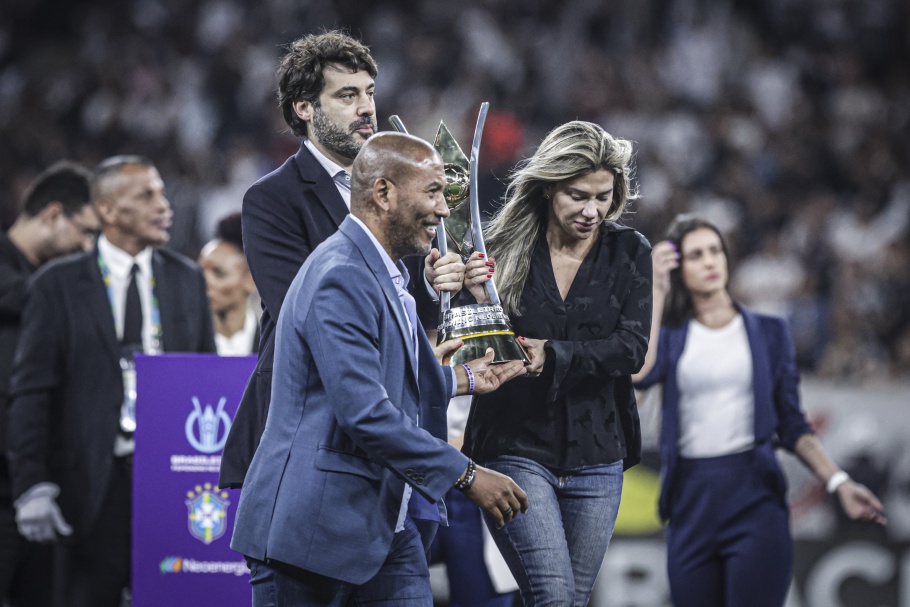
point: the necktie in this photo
(343, 178)
(132, 312)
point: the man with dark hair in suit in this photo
(70, 442)
(56, 219)
(325, 90)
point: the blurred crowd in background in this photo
(786, 122)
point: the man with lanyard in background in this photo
(73, 384)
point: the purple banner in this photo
(182, 522)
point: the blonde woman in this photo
(577, 286)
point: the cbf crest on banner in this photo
(208, 512)
(182, 520)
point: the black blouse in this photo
(581, 410)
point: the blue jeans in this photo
(555, 550)
(460, 547)
(402, 581)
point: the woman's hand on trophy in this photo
(478, 271)
(444, 272)
(536, 354)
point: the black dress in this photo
(581, 410)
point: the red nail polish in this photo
(489, 276)
(481, 255)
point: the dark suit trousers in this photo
(402, 581)
(98, 565)
(25, 567)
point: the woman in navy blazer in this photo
(730, 397)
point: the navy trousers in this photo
(728, 541)
(402, 581)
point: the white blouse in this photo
(717, 404)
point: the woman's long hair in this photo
(679, 308)
(571, 150)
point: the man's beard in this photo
(333, 138)
(402, 236)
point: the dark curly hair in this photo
(300, 75)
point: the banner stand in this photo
(182, 521)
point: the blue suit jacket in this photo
(342, 437)
(778, 417)
(286, 215)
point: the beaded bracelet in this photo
(470, 378)
(465, 484)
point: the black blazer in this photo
(285, 215)
(67, 388)
(15, 271)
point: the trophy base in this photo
(480, 326)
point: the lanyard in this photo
(155, 346)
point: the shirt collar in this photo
(241, 342)
(397, 271)
(120, 263)
(331, 167)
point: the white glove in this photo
(38, 516)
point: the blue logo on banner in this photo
(207, 513)
(207, 429)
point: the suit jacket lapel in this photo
(167, 302)
(676, 343)
(94, 293)
(377, 267)
(761, 370)
(323, 185)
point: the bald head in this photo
(396, 190)
(129, 196)
(394, 157)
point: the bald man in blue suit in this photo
(357, 420)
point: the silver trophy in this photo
(480, 326)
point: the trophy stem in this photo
(476, 232)
(445, 298)
(398, 124)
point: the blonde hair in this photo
(571, 150)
